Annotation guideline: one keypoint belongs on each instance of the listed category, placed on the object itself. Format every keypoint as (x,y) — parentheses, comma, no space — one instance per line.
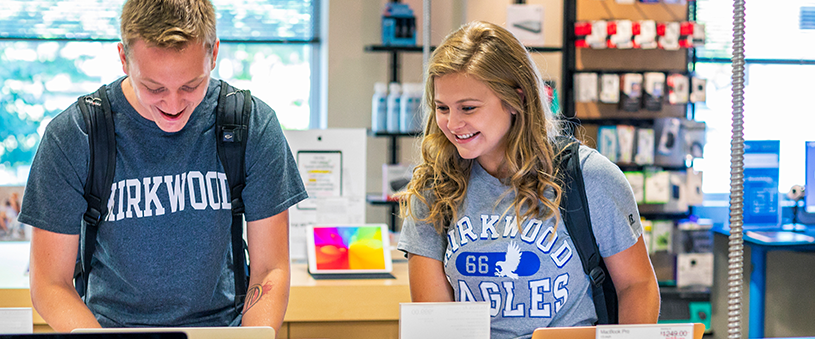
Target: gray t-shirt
(531,277)
(163,254)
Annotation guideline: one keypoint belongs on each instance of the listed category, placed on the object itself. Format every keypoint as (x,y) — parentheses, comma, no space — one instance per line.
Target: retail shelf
(418,48)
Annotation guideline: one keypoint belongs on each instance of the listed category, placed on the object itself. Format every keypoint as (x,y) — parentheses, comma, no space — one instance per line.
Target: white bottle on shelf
(394,105)
(379,108)
(410,114)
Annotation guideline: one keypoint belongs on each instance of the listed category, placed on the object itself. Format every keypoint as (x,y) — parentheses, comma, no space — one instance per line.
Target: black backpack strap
(231,131)
(575,213)
(98,117)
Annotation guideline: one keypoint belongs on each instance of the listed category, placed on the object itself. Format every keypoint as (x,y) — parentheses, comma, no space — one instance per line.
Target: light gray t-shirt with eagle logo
(531,275)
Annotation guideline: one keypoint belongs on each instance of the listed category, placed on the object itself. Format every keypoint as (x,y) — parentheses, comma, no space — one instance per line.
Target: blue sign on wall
(761,200)
(810,177)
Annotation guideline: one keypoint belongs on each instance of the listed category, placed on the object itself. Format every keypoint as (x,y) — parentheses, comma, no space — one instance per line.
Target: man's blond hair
(168,23)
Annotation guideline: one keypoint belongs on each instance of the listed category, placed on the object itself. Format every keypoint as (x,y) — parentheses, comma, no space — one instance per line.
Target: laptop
(349,251)
(249,332)
(129,335)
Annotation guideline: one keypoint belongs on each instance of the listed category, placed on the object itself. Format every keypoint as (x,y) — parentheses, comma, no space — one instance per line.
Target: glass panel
(39,79)
(776,107)
(278,74)
(99,19)
(774,29)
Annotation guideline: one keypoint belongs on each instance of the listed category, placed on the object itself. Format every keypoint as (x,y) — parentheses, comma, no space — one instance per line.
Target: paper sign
(655,331)
(444,320)
(16,320)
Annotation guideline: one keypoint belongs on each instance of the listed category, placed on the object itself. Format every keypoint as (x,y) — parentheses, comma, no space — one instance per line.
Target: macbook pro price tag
(655,331)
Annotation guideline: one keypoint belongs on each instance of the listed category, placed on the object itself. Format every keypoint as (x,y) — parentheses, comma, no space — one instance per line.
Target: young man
(163,255)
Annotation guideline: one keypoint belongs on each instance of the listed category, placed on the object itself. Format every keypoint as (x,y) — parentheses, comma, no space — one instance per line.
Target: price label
(654,331)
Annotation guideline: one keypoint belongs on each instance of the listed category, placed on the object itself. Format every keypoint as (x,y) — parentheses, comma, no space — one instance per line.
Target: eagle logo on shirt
(507,267)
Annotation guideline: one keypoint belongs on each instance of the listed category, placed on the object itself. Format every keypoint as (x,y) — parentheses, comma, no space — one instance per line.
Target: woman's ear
(521,93)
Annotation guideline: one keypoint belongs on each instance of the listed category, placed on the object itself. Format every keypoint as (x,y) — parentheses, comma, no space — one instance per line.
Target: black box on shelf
(654,84)
(630,92)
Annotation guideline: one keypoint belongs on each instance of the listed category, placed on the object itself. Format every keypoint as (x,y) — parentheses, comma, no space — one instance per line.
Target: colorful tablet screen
(349,248)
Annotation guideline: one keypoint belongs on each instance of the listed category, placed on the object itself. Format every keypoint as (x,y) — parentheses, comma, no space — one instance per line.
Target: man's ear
(215,52)
(123,57)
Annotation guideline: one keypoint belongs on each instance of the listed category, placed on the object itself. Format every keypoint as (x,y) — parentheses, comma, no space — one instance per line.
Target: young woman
(481,212)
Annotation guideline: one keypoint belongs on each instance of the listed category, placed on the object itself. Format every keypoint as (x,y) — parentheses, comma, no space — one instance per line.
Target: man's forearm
(62,308)
(267,299)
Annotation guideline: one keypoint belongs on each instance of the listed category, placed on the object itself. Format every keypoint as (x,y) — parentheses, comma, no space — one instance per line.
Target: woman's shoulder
(598,169)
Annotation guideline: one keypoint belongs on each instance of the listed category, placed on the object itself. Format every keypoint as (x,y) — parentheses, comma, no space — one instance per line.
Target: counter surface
(311,300)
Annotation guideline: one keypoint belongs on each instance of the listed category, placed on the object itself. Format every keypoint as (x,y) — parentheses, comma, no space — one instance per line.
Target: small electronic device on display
(349,251)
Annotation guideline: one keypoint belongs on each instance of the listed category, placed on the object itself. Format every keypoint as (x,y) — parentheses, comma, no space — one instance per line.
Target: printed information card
(444,320)
(655,331)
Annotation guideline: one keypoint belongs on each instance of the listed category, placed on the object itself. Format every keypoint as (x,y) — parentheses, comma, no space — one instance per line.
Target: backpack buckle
(597,276)
(231,133)
(92,216)
(237,206)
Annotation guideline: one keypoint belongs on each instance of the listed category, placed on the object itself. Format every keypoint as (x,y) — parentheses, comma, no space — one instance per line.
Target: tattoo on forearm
(253,295)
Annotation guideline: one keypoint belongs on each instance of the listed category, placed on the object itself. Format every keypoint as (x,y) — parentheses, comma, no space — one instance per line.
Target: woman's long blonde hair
(493,55)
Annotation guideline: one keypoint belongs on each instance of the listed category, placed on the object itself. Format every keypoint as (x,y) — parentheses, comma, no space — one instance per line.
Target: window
(53,51)
(780,66)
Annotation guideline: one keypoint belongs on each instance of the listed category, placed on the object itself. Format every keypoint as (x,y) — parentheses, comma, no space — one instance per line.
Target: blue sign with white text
(761,200)
(810,177)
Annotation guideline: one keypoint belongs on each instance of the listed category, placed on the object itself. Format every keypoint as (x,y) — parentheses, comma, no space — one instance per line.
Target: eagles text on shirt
(512,264)
(135,198)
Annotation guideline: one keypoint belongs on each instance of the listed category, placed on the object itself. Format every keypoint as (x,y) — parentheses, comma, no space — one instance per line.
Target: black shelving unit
(393,146)
(675,300)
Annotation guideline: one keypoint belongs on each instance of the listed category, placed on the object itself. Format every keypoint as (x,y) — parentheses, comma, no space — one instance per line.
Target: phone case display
(691,34)
(620,33)
(591,34)
(655,87)
(654,90)
(694,248)
(693,185)
(670,148)
(607,142)
(645,146)
(668,33)
(585,85)
(635,91)
(637,182)
(697,89)
(661,235)
(678,89)
(645,34)
(625,143)
(693,132)
(631,91)
(642,34)
(609,88)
